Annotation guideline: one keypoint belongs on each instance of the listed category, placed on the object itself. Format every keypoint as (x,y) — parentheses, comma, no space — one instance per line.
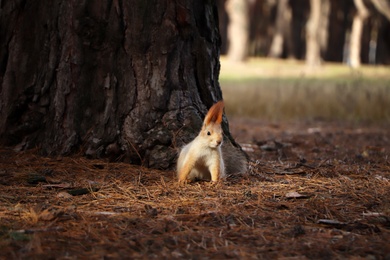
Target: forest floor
(314,190)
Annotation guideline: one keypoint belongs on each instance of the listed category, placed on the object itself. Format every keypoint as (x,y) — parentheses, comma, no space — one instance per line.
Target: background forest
(306,59)
(348,31)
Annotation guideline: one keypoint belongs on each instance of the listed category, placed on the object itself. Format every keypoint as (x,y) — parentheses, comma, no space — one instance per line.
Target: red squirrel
(205,157)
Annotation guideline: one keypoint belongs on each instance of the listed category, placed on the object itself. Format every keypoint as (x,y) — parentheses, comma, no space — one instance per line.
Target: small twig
(35,230)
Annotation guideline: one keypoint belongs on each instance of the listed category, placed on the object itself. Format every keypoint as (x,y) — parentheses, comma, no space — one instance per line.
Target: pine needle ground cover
(313,191)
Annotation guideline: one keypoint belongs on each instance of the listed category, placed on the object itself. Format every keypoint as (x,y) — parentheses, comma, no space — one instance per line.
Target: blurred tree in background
(238,30)
(316,31)
(356,33)
(349,31)
(282,35)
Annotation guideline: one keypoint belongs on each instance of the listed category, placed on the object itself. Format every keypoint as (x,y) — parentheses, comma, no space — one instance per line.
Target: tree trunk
(339,25)
(383,43)
(238,29)
(130,80)
(324,26)
(299,8)
(381,53)
(356,33)
(313,35)
(383,6)
(282,29)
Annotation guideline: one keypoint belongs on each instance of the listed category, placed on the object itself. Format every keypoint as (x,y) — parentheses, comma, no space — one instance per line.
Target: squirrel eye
(208,133)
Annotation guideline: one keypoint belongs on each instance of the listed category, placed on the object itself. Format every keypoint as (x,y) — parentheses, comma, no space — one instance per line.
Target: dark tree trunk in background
(261,16)
(223,25)
(127,79)
(299,10)
(383,42)
(365,41)
(339,24)
(382,37)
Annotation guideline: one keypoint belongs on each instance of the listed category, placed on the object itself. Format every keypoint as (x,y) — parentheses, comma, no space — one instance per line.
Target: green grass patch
(280,90)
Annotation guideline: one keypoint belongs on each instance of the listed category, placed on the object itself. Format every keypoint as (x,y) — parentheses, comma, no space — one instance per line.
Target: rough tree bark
(356,33)
(238,29)
(130,80)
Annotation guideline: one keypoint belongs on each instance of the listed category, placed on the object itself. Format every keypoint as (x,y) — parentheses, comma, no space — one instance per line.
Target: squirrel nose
(219,142)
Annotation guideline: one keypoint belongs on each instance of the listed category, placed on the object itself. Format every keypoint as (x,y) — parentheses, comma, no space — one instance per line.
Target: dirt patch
(313,191)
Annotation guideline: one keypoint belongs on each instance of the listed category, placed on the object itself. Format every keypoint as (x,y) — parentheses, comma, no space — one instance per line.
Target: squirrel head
(212,131)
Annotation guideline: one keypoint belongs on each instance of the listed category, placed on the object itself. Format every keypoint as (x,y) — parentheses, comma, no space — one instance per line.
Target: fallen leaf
(296,195)
(63,194)
(373,214)
(330,222)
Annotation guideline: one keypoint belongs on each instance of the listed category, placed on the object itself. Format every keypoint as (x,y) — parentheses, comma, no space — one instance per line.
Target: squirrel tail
(234,158)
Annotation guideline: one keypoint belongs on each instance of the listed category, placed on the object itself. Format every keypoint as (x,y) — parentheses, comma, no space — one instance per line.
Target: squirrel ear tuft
(215,113)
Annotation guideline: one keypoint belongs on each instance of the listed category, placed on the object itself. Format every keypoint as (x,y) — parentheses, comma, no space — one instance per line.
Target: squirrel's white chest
(205,159)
